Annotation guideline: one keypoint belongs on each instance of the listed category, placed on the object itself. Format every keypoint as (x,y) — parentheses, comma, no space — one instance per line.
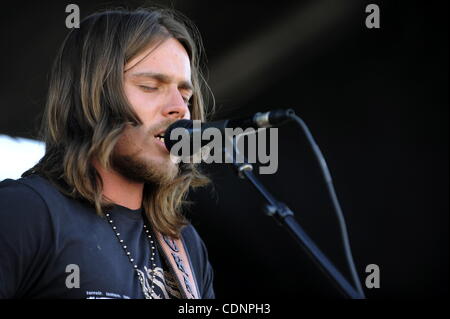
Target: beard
(129,164)
(144,171)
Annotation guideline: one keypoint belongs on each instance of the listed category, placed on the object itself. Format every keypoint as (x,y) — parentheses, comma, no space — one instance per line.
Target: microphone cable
(332,192)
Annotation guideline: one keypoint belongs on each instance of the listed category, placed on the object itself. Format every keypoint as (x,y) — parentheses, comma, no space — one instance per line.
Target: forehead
(168,57)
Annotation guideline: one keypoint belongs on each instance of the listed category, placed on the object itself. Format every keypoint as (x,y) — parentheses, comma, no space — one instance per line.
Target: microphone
(258,120)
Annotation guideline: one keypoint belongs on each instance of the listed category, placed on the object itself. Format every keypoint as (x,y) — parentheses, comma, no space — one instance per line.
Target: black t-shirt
(52,246)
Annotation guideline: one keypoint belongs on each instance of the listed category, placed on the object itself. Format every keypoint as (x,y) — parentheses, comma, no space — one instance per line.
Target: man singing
(100,215)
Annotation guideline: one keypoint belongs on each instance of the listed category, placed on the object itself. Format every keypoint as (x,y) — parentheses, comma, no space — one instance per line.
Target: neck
(119,189)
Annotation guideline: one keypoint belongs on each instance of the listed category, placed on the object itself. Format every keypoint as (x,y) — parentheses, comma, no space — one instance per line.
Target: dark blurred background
(376,101)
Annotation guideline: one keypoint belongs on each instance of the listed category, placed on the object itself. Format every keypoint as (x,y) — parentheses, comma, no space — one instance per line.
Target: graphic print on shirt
(165,286)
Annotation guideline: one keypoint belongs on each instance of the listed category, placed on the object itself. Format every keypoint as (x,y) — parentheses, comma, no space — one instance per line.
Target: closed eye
(148,88)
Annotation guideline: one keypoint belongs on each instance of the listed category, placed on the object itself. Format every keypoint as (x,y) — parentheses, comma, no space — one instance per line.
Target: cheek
(123,143)
(140,102)
(130,141)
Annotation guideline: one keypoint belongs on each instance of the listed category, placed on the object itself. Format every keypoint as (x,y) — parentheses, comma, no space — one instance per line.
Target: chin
(153,170)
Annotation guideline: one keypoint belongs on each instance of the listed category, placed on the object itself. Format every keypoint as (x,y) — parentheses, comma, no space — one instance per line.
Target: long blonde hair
(87,110)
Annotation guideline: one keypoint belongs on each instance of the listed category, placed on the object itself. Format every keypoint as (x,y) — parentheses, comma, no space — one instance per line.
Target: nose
(176,107)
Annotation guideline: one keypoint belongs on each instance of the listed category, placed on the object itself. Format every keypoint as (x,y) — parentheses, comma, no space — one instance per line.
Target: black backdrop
(375,99)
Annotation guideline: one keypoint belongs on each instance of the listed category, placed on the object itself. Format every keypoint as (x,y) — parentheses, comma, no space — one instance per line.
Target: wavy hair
(87,110)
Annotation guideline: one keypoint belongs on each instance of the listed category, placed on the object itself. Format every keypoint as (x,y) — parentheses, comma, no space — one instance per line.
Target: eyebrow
(186,85)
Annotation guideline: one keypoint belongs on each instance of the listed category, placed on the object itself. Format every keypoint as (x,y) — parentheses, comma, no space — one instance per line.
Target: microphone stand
(285,217)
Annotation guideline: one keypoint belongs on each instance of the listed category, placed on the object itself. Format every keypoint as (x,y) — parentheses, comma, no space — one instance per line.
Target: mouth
(160,136)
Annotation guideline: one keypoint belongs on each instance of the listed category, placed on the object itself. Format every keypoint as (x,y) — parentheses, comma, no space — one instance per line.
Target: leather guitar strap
(175,253)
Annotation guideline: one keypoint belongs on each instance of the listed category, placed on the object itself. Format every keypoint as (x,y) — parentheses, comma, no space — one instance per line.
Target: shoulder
(195,246)
(26,237)
(32,190)
(17,197)
(23,208)
(23,211)
(192,239)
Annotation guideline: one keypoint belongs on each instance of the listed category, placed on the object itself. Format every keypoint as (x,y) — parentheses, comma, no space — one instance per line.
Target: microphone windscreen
(186,124)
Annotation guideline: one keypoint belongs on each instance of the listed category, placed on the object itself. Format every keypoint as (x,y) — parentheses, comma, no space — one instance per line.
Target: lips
(159,132)
(160,136)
